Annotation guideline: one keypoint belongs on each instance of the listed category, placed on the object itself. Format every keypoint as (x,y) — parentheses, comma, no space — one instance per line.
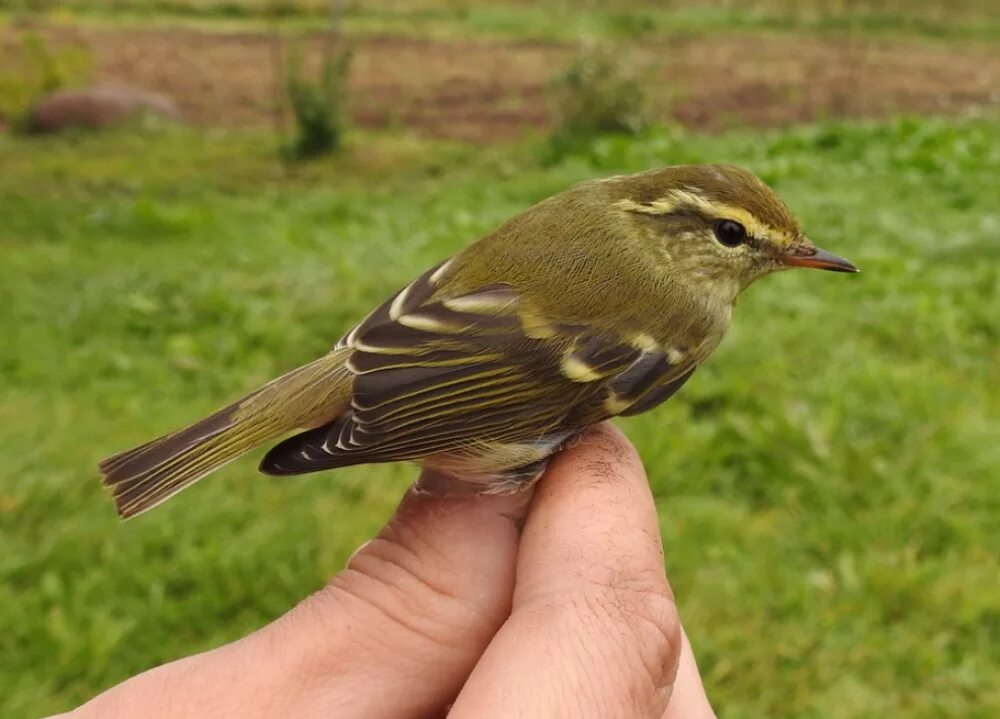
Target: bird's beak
(806,254)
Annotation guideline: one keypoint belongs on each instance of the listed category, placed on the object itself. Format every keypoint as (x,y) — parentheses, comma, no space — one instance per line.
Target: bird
(598,302)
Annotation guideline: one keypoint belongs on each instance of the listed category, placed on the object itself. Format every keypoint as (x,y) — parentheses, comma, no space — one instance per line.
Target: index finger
(593,629)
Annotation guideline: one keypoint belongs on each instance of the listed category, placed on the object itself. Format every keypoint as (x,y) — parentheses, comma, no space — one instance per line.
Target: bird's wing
(439,375)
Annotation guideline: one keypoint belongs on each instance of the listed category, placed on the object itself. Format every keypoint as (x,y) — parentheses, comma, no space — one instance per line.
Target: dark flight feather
(461,372)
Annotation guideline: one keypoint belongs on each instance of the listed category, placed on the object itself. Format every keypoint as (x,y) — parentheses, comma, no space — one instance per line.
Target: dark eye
(729,233)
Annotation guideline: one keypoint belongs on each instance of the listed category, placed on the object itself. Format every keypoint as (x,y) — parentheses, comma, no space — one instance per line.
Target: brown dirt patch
(492,89)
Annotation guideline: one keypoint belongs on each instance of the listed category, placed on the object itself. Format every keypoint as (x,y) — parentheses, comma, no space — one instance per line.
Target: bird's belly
(499,467)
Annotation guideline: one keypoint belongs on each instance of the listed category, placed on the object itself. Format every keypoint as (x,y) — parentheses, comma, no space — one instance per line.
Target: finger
(393,635)
(688,700)
(397,633)
(593,629)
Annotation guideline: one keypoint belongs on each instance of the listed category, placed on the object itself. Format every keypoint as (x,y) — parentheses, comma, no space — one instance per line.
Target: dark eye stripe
(698,219)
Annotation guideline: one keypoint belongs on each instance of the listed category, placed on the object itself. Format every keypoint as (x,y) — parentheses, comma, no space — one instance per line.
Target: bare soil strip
(486,90)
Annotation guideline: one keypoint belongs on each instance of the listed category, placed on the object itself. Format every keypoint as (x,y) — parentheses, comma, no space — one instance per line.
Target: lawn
(828,484)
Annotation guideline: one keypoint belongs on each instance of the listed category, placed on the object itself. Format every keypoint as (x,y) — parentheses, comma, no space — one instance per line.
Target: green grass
(828,484)
(562,19)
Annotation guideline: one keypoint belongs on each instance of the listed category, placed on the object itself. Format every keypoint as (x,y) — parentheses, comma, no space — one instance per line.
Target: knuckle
(657,631)
(642,613)
(389,583)
(617,636)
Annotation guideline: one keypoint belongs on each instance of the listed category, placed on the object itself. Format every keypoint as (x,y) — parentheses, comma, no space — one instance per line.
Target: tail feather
(147,475)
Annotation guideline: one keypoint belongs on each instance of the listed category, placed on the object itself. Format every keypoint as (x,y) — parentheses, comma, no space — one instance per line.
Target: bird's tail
(153,472)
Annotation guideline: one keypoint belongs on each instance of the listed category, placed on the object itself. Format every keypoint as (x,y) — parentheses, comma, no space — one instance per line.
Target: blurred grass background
(828,485)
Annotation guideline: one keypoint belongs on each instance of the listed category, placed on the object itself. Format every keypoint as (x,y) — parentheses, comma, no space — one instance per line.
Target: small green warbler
(598,302)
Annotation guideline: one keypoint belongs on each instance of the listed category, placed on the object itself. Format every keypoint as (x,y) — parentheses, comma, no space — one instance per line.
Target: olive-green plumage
(600,301)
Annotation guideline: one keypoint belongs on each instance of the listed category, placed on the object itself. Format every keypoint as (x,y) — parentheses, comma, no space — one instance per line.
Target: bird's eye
(729,233)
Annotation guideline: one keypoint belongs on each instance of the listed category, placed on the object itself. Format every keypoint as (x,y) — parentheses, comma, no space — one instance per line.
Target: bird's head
(717,227)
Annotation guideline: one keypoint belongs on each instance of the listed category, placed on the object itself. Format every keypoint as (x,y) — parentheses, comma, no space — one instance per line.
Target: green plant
(601,92)
(318,105)
(32,67)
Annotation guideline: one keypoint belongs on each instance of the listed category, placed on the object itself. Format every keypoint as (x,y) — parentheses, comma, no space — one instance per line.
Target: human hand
(454,604)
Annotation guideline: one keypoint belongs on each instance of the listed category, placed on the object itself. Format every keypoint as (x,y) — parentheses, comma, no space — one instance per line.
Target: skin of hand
(551,605)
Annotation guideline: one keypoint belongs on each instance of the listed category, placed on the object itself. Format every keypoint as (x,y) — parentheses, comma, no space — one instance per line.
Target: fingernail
(356,552)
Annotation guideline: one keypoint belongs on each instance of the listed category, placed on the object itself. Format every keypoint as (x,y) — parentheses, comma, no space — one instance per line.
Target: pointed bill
(815,258)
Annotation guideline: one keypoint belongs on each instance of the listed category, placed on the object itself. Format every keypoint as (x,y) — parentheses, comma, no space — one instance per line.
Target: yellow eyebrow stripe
(678,199)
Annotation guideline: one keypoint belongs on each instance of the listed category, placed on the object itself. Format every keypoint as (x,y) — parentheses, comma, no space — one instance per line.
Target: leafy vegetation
(319,106)
(827,484)
(601,92)
(31,68)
